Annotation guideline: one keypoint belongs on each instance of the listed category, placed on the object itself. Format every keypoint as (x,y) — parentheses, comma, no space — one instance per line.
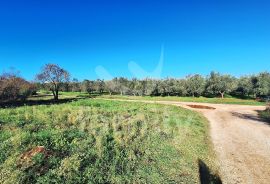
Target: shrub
(266,113)
(14,88)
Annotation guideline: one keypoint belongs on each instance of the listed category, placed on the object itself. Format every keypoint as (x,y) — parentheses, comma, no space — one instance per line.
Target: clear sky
(229,36)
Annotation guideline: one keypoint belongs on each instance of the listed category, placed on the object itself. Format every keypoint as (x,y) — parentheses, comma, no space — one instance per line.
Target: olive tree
(53,75)
(121,85)
(181,87)
(195,85)
(220,84)
(133,86)
(244,85)
(141,87)
(111,86)
(169,87)
(151,87)
(87,86)
(263,85)
(75,85)
(137,87)
(99,86)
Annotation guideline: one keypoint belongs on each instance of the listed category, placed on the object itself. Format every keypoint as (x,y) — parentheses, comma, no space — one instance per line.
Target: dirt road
(241,141)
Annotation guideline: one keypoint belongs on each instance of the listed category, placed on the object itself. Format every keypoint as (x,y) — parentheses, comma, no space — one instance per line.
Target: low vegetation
(225,100)
(13,87)
(266,114)
(98,141)
(228,100)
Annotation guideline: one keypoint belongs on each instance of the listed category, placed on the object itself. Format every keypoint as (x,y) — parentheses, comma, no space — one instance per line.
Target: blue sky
(229,36)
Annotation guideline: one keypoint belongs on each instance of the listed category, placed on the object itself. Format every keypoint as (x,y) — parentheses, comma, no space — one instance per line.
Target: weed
(100,141)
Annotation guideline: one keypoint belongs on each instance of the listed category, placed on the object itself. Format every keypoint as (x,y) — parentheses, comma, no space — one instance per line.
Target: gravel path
(241,141)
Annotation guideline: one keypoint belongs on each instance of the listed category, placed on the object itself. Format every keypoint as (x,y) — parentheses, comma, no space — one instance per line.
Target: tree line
(213,85)
(54,78)
(196,85)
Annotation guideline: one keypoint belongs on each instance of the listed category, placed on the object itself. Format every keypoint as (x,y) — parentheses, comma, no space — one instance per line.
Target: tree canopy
(53,75)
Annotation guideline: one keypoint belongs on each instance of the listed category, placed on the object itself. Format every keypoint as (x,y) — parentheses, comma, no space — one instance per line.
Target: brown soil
(33,152)
(201,107)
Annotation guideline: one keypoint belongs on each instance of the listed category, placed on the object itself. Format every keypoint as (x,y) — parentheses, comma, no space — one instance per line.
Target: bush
(266,114)
(267,110)
(14,88)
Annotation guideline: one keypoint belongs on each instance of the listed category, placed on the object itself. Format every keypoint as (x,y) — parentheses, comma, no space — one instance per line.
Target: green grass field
(99,141)
(230,100)
(227,100)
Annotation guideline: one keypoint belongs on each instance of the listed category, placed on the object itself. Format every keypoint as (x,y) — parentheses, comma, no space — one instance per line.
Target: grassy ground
(230,100)
(266,114)
(98,141)
(227,100)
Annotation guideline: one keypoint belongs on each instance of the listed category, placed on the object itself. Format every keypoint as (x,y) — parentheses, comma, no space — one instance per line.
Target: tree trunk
(222,94)
(56,95)
(55,91)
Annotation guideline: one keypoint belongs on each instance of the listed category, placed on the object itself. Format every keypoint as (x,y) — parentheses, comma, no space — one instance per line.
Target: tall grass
(98,141)
(266,114)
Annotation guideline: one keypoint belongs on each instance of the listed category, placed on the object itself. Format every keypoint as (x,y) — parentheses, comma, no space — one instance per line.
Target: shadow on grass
(265,116)
(36,102)
(206,177)
(42,95)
